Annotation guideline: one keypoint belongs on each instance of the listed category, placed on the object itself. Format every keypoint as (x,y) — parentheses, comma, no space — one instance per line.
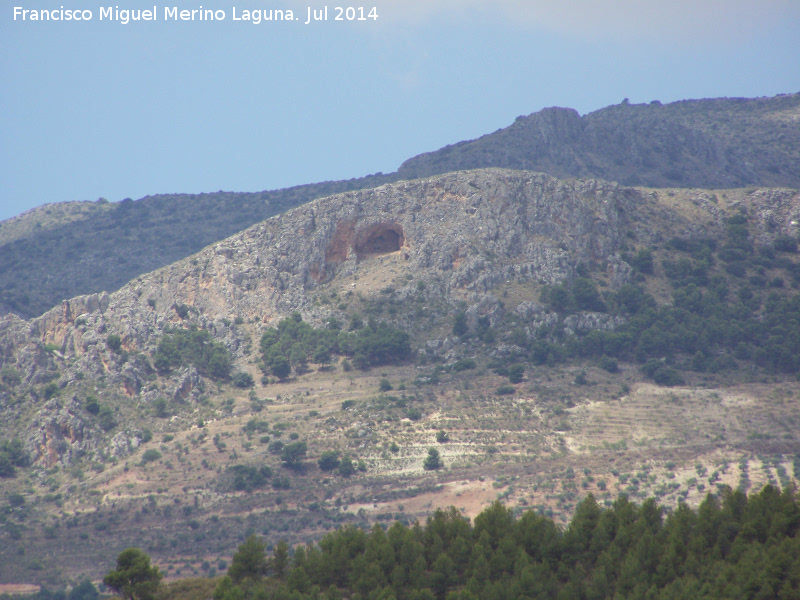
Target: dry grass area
(546,445)
(18,588)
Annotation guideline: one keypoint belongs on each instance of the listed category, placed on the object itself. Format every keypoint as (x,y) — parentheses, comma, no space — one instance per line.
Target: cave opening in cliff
(381,239)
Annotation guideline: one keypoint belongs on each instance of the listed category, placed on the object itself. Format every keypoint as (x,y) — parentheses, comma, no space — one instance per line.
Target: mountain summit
(717,143)
(56,252)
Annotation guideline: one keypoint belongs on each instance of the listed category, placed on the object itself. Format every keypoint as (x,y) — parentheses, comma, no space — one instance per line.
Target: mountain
(59,251)
(715,143)
(548,338)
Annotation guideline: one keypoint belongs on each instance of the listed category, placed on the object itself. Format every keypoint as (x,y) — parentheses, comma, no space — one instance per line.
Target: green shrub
(243,380)
(92,405)
(460,326)
(414,414)
(642,261)
(114,343)
(106,418)
(785,243)
(515,373)
(192,346)
(433,461)
(50,390)
(161,407)
(246,478)
(464,364)
(346,467)
(293,454)
(151,455)
(608,364)
(329,460)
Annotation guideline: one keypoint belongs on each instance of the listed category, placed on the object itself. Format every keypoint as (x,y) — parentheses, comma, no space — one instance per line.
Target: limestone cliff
(459,235)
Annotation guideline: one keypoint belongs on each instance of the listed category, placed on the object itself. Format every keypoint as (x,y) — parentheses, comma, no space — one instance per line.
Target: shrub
(12,454)
(151,455)
(106,418)
(414,414)
(515,373)
(464,364)
(246,478)
(50,390)
(460,323)
(243,380)
(346,467)
(254,425)
(608,364)
(279,366)
(642,261)
(586,296)
(114,343)
(504,390)
(293,454)
(433,461)
(329,460)
(161,408)
(192,346)
(6,466)
(10,376)
(667,376)
(92,405)
(785,243)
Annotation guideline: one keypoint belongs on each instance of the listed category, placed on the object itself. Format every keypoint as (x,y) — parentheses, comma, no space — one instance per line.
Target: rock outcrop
(459,236)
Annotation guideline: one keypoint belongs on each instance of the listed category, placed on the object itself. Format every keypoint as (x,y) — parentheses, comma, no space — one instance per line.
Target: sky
(98,108)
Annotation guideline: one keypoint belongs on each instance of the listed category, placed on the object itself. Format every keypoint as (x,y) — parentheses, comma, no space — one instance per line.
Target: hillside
(547,338)
(60,251)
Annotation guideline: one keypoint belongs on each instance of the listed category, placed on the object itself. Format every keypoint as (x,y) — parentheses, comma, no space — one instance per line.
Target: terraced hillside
(545,338)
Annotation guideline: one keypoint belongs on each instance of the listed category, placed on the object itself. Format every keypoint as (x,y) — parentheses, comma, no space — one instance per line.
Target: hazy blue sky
(98,108)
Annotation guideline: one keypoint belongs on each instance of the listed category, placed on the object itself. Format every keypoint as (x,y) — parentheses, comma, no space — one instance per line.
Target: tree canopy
(732,546)
(250,560)
(134,578)
(192,346)
(294,342)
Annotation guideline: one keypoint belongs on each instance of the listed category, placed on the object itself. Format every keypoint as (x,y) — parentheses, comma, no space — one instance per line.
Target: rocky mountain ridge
(713,143)
(61,251)
(459,236)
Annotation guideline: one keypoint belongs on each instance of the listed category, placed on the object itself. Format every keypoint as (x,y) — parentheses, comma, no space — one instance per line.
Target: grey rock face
(58,434)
